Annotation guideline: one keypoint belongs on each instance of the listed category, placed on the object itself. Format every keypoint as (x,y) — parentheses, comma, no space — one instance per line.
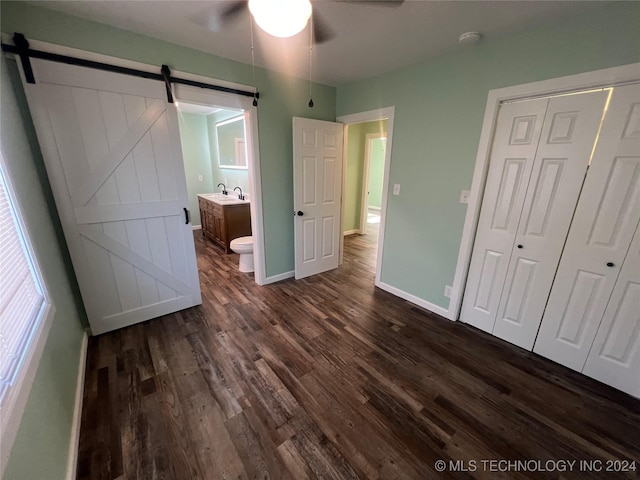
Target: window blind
(21,295)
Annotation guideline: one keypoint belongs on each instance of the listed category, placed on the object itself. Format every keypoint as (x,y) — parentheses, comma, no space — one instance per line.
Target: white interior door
(317,189)
(112,150)
(568,136)
(614,357)
(604,223)
(512,157)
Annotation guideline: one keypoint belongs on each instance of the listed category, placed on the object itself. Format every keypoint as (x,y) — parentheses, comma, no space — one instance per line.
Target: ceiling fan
(285,18)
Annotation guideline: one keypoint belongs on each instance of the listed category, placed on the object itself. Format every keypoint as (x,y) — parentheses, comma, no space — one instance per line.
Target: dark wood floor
(330,377)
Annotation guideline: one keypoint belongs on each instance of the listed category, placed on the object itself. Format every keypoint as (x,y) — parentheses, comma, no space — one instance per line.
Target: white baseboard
(443,312)
(351,232)
(72,460)
(196,227)
(277,278)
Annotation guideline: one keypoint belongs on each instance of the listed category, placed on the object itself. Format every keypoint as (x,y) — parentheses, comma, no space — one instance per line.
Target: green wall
(42,444)
(356,139)
(194,137)
(281,98)
(376,171)
(439,108)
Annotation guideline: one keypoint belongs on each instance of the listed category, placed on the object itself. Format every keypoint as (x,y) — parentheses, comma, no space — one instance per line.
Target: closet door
(615,355)
(512,154)
(568,135)
(604,223)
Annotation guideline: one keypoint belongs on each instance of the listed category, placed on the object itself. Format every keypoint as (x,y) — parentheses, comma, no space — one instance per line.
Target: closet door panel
(615,355)
(604,223)
(512,155)
(568,135)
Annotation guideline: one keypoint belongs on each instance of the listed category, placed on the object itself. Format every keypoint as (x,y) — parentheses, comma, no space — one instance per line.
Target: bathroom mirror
(232,151)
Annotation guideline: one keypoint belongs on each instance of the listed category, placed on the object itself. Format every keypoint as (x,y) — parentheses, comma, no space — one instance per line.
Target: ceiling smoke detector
(469,37)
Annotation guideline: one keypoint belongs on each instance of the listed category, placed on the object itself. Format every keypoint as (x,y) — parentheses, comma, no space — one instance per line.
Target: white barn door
(317,191)
(111,147)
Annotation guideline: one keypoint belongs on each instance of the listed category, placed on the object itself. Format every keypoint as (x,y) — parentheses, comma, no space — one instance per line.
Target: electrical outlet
(200,178)
(464,196)
(396,189)
(447,291)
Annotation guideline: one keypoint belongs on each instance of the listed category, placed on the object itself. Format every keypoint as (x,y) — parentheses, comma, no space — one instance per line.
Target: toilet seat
(242,245)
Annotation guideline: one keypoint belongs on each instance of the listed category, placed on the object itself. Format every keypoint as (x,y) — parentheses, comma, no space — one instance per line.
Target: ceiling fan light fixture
(469,37)
(281,18)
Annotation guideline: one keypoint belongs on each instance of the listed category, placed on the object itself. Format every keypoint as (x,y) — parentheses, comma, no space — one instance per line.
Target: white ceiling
(370,39)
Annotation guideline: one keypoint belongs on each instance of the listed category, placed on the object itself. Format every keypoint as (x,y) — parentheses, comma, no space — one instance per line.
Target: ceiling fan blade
(236,8)
(322,32)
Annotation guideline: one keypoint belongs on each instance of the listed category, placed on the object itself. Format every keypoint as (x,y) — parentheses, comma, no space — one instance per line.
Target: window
(25,314)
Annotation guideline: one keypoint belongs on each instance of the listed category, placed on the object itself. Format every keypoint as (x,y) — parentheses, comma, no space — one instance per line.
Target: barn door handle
(187,216)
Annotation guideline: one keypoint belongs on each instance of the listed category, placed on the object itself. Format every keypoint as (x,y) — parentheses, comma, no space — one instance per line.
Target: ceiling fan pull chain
(253,63)
(310,61)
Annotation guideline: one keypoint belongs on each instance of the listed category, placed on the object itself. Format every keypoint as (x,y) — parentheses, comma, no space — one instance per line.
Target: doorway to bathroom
(367,154)
(220,150)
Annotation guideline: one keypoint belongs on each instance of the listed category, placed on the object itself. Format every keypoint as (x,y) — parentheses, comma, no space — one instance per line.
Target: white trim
(74,443)
(413,299)
(200,96)
(343,188)
(18,394)
(23,388)
(364,208)
(388,114)
(279,277)
(582,81)
(196,227)
(351,232)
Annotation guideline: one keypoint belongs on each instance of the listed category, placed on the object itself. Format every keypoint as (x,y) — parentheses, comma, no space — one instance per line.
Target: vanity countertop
(220,199)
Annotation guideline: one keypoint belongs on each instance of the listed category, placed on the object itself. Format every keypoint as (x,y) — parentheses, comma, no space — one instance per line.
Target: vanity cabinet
(221,223)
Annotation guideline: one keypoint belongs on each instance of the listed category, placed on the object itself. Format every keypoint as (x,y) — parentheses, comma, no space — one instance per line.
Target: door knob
(519,246)
(611,264)
(300,213)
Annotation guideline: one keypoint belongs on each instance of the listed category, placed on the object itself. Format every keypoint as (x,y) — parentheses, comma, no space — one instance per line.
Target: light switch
(396,189)
(464,196)
(200,178)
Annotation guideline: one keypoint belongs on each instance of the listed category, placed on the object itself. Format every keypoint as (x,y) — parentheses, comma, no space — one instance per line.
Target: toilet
(244,247)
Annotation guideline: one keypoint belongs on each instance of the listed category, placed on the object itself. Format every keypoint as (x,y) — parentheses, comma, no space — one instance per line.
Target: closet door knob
(519,246)
(610,264)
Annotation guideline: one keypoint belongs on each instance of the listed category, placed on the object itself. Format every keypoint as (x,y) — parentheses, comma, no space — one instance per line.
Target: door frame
(388,114)
(364,210)
(201,96)
(233,101)
(597,79)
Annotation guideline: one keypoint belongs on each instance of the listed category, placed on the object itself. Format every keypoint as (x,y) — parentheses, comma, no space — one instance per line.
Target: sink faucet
(240,195)
(224,188)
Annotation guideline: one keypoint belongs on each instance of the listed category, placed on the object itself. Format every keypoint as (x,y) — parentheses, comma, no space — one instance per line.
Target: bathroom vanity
(223,218)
